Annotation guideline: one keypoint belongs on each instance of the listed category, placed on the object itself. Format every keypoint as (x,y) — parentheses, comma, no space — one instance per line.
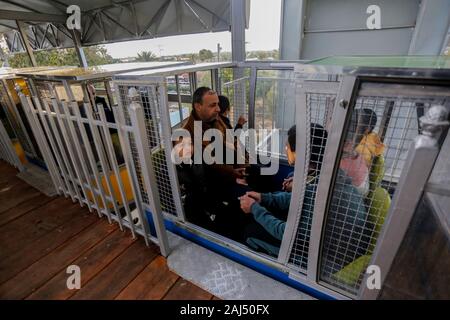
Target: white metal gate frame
(15,120)
(62,133)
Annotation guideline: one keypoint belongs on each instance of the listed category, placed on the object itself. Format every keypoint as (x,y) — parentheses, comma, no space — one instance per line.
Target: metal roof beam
(26,43)
(209,11)
(161,11)
(62,4)
(22,6)
(196,15)
(31,16)
(116,23)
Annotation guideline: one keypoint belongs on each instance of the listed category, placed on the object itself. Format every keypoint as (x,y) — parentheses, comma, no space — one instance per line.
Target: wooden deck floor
(41,236)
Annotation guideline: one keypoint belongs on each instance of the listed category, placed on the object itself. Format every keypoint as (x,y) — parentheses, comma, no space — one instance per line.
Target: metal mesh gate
(150,96)
(319,107)
(82,150)
(237,91)
(380,131)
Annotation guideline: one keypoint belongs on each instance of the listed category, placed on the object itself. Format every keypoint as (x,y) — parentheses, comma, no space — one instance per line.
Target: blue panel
(37,162)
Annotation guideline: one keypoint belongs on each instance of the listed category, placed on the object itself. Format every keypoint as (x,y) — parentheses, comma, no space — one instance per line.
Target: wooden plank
(36,275)
(215,298)
(35,224)
(9,181)
(90,263)
(23,208)
(32,252)
(184,290)
(7,171)
(14,194)
(111,280)
(151,284)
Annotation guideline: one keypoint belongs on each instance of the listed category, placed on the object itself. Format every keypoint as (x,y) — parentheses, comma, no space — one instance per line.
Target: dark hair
(367,118)
(318,140)
(197,97)
(224,104)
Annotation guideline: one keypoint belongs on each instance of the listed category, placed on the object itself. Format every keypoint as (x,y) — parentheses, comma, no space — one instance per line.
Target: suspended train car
(385,121)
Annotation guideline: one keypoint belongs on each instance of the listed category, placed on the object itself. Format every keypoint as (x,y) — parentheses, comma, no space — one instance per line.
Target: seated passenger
(224,105)
(211,186)
(270,210)
(352,162)
(370,145)
(355,167)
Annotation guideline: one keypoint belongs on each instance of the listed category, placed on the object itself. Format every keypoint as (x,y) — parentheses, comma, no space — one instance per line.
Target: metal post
(138,122)
(252,98)
(238,13)
(79,48)
(328,172)
(180,105)
(26,43)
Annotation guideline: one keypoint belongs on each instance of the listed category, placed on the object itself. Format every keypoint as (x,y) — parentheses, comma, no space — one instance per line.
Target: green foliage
(95,55)
(263,55)
(205,55)
(146,56)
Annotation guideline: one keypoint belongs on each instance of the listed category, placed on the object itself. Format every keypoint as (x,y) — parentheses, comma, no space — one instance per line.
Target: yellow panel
(19,152)
(126,185)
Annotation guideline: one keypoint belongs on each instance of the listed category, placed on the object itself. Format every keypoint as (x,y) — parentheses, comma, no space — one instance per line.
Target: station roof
(107,21)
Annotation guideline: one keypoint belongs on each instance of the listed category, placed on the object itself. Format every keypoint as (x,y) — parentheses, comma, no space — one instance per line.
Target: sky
(263,34)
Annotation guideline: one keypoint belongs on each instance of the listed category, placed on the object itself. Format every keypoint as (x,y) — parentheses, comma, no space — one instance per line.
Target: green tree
(95,55)
(205,55)
(146,56)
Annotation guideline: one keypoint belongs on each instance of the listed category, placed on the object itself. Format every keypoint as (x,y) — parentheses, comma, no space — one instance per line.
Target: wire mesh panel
(237,91)
(275,105)
(381,128)
(83,145)
(150,99)
(319,107)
